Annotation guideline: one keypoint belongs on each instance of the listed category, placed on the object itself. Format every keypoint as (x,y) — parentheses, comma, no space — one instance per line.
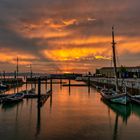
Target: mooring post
(39,90)
(35,84)
(69,85)
(60,82)
(26,82)
(15,75)
(51,84)
(4,75)
(69,82)
(31,85)
(89,83)
(38,120)
(26,85)
(46,85)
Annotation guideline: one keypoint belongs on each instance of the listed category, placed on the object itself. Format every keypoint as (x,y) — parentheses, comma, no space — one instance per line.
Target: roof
(109,68)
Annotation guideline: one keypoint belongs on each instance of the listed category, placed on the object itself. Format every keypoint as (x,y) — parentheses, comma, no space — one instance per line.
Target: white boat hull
(121,100)
(116,98)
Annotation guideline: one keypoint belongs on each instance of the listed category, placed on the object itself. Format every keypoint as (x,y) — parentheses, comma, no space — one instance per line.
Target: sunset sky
(68,35)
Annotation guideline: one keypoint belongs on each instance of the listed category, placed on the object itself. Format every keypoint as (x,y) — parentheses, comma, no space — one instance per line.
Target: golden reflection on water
(77,114)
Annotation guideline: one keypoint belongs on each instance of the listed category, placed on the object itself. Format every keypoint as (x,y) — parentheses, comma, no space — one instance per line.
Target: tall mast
(17,67)
(114,58)
(31,72)
(17,71)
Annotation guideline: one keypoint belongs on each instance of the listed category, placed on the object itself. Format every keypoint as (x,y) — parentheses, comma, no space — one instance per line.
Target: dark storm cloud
(15,14)
(124,14)
(12,40)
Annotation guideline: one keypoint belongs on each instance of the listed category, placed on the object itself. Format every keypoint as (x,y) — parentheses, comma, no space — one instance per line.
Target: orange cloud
(11,58)
(132,46)
(65,44)
(50,23)
(102,57)
(61,23)
(84,40)
(70,22)
(74,54)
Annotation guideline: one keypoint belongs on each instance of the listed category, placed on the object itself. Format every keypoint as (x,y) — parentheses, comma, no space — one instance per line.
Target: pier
(74,85)
(37,82)
(42,98)
(133,85)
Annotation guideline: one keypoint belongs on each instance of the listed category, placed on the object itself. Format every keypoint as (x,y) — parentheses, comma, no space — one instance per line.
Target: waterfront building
(125,72)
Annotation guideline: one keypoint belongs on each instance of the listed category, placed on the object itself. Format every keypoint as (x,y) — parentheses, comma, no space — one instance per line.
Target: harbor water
(69,114)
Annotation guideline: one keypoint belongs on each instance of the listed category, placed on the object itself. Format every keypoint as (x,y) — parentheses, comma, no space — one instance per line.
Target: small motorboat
(14,98)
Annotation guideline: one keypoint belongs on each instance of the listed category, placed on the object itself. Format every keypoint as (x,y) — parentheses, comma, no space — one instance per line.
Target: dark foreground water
(69,115)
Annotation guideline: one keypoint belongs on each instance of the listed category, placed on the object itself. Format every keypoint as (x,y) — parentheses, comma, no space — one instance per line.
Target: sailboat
(115,96)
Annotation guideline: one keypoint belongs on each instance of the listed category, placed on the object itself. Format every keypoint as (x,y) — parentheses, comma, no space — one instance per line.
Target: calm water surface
(73,114)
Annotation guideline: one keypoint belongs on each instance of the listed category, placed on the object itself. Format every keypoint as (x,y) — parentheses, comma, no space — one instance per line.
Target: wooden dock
(75,85)
(36,82)
(43,98)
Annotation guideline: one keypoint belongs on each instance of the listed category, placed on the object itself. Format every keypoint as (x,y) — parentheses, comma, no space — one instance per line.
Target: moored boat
(134,98)
(3,87)
(111,95)
(14,98)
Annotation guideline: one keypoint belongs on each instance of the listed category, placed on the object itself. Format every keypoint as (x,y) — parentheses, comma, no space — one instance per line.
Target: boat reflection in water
(76,117)
(121,111)
(7,107)
(38,124)
(39,112)
(136,110)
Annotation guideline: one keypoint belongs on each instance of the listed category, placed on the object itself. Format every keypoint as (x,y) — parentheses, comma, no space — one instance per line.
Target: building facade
(123,72)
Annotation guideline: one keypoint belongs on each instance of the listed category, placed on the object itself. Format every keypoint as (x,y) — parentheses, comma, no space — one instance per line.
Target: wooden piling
(26,85)
(39,90)
(38,120)
(46,85)
(60,82)
(89,84)
(4,75)
(69,82)
(69,85)
(35,85)
(51,84)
